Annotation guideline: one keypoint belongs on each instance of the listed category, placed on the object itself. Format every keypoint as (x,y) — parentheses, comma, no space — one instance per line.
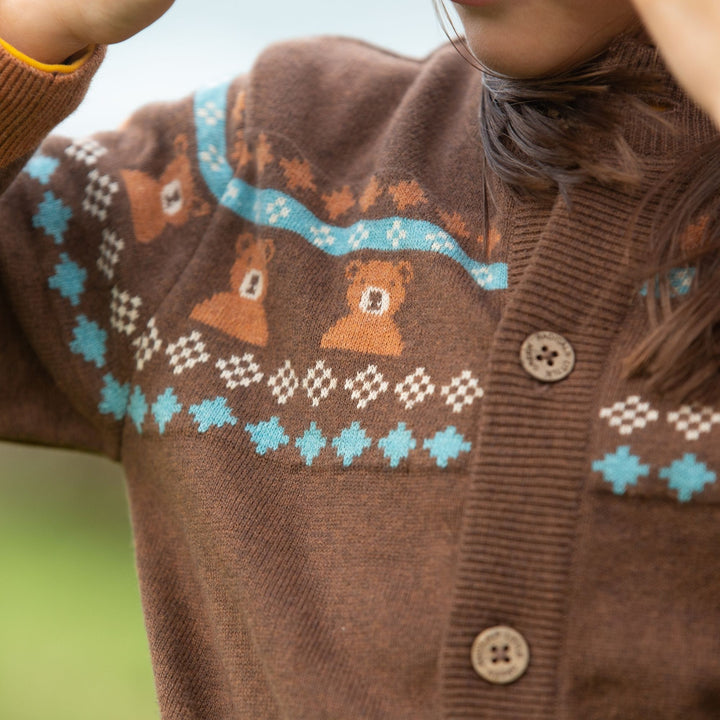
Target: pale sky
(200,42)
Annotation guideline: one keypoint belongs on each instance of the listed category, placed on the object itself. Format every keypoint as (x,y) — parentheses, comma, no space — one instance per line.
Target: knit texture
(275,304)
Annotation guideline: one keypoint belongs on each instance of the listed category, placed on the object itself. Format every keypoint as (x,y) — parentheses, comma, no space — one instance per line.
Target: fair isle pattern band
(271,208)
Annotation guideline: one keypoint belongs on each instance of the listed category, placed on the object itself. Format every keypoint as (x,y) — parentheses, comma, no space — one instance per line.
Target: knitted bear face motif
(376,292)
(170,199)
(240,312)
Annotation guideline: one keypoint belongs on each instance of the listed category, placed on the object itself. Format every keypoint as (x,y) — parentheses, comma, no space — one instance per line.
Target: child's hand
(688,35)
(50,31)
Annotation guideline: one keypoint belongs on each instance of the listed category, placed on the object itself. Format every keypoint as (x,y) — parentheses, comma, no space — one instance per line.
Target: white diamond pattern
(147,345)
(629,415)
(86,151)
(415,388)
(694,421)
(319,382)
(462,391)
(124,311)
(239,371)
(187,352)
(284,383)
(99,194)
(110,250)
(366,386)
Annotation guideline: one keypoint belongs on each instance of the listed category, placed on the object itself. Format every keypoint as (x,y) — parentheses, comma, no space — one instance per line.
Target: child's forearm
(47,34)
(51,31)
(688,35)
(35,28)
(33,101)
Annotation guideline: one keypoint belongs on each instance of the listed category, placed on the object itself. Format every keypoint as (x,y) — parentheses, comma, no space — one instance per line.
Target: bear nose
(171,198)
(252,285)
(375,301)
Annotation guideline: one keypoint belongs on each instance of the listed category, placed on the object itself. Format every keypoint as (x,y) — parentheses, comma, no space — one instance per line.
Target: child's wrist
(42,39)
(58,53)
(68,65)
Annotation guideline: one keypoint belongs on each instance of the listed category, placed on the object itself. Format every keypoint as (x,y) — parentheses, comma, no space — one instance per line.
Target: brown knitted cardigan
(274,304)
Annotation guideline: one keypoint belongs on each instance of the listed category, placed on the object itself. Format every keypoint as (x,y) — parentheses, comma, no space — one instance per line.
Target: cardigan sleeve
(94,233)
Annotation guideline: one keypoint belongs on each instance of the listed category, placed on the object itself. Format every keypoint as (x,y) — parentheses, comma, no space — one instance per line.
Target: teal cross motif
(165,408)
(212,413)
(69,279)
(351,443)
(621,469)
(41,168)
(137,408)
(311,443)
(114,397)
(446,445)
(397,444)
(268,435)
(89,341)
(688,476)
(53,217)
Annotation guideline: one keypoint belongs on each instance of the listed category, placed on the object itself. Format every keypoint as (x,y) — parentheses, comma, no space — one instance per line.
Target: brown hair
(546,135)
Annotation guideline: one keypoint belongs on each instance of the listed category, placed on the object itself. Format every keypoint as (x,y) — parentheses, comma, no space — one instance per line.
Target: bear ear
(181,144)
(244,242)
(269,248)
(353,269)
(406,271)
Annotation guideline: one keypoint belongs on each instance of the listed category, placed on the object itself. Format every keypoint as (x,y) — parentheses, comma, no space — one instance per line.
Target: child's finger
(688,35)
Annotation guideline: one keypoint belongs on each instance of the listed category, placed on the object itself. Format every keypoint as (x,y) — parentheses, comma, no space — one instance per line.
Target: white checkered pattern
(187,352)
(694,421)
(319,382)
(277,210)
(322,237)
(147,345)
(210,114)
(124,311)
(213,158)
(110,250)
(462,391)
(415,388)
(239,371)
(99,194)
(284,383)
(629,415)
(86,151)
(366,386)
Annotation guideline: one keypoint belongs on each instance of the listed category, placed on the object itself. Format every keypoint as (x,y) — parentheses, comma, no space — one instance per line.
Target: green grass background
(72,641)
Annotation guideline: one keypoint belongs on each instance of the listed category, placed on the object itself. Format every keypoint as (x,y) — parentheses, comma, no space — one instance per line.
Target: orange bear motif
(240,312)
(170,200)
(376,292)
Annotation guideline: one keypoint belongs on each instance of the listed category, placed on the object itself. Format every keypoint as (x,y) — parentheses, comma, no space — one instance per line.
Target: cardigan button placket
(500,655)
(547,357)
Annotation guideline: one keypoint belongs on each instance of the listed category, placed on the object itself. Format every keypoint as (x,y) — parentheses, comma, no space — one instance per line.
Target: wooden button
(500,655)
(547,356)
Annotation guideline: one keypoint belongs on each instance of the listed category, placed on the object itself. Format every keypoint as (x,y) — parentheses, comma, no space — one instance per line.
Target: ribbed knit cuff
(33,101)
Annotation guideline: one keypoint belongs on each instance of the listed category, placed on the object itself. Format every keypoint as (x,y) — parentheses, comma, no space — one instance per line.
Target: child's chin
(528,62)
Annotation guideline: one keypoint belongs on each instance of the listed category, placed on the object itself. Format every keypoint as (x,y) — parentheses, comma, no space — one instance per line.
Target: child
(368,338)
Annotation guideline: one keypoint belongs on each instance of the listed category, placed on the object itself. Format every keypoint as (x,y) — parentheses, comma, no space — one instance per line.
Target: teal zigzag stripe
(271,208)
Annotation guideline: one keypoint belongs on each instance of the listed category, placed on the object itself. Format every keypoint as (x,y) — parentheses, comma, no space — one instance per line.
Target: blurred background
(72,643)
